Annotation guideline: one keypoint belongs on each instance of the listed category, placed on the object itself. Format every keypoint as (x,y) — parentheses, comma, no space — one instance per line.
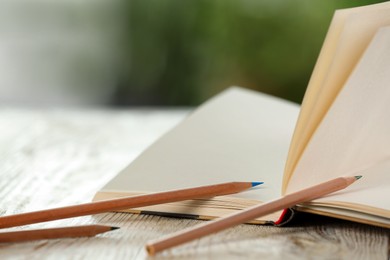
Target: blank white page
(349,35)
(240,135)
(354,136)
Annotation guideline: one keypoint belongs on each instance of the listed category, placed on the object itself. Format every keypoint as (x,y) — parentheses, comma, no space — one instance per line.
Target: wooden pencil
(124,203)
(250,213)
(53,233)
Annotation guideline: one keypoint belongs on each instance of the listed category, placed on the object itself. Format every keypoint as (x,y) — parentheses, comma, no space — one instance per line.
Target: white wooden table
(51,158)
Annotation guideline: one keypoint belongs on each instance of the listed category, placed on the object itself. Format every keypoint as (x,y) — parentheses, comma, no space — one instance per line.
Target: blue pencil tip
(256,183)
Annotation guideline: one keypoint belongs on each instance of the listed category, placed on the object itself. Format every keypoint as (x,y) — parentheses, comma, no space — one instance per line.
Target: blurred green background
(166,52)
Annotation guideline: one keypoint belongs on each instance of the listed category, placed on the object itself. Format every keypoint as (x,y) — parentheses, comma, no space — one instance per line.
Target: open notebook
(343,128)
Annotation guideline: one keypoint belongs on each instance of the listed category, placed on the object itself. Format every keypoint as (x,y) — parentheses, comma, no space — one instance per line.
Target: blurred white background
(60,52)
(157,52)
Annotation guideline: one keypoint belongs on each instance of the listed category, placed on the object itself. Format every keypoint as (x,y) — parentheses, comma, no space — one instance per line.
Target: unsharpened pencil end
(114,228)
(256,183)
(358,177)
(150,250)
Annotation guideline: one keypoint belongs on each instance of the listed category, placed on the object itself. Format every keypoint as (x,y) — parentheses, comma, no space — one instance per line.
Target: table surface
(52,158)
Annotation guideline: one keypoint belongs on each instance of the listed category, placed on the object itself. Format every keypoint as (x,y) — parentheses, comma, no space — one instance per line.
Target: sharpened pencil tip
(358,177)
(113,228)
(256,183)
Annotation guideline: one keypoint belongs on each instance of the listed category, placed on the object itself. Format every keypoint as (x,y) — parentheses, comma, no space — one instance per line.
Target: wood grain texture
(52,158)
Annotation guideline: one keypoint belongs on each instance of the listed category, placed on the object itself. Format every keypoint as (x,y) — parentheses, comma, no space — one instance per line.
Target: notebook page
(240,135)
(354,135)
(350,33)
